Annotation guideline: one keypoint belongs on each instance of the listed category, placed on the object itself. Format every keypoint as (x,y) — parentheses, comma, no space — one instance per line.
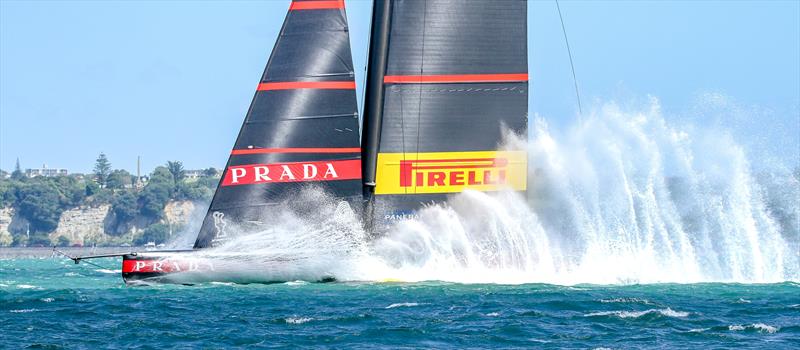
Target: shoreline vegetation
(132,207)
(48,252)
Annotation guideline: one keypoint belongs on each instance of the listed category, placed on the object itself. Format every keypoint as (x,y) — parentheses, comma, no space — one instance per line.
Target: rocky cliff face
(83,225)
(6,215)
(87,225)
(177,213)
(10,222)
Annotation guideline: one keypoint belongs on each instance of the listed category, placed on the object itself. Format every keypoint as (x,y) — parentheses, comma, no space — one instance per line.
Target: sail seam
(414,90)
(249,205)
(295,150)
(315,32)
(304,117)
(290,85)
(321,75)
(455,78)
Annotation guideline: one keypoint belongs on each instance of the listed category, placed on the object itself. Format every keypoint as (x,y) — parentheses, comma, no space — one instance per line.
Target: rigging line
(403,128)
(571,64)
(78,259)
(360,109)
(421,73)
(95,265)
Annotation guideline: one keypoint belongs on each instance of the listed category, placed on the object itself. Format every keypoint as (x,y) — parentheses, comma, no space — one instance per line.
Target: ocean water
(53,304)
(636,233)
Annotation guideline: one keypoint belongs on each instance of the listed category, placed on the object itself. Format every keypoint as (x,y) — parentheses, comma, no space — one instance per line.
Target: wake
(624,197)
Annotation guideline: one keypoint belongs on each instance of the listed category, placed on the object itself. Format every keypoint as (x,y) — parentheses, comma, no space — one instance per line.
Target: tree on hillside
(210,172)
(39,239)
(161,175)
(156,233)
(8,193)
(158,191)
(62,241)
(17,173)
(72,191)
(193,191)
(102,168)
(20,240)
(153,199)
(118,179)
(39,203)
(91,188)
(176,169)
(124,206)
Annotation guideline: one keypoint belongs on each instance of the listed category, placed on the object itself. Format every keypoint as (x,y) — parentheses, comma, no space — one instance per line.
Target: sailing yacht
(446,80)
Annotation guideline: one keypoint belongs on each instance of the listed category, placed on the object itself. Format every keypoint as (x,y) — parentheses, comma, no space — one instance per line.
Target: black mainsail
(446,79)
(302,126)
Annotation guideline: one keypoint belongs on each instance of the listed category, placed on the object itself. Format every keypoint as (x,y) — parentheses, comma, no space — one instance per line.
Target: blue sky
(172,80)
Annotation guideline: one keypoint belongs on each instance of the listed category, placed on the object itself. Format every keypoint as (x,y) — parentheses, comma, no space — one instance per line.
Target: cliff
(177,213)
(6,215)
(82,225)
(86,225)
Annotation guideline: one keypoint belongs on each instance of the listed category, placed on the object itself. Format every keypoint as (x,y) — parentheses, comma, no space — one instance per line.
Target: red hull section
(161,266)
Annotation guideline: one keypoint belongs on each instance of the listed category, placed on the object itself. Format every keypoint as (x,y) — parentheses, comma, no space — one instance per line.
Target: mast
(373,101)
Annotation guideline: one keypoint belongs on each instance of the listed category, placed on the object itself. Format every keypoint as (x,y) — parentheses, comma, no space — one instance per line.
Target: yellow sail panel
(450,172)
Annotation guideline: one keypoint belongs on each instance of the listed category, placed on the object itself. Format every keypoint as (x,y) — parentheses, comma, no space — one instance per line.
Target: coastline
(47,252)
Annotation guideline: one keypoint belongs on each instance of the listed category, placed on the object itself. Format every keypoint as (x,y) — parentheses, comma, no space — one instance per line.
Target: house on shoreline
(46,172)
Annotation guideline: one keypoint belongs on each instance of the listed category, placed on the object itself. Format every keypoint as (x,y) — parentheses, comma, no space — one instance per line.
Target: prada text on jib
(293,172)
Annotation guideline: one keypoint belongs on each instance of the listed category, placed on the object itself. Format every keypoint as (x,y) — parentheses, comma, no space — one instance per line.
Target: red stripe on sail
(294,150)
(316,5)
(455,78)
(288,85)
(331,170)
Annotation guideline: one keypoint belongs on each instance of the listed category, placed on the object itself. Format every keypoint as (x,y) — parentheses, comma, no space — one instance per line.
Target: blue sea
(629,228)
(51,303)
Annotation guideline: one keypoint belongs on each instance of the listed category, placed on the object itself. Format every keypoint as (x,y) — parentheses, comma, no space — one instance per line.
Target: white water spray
(621,198)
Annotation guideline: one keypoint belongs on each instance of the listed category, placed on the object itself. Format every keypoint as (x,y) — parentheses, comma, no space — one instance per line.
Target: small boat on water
(446,81)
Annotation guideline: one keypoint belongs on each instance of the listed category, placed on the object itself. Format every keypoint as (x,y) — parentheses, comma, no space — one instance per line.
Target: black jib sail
(446,79)
(301,128)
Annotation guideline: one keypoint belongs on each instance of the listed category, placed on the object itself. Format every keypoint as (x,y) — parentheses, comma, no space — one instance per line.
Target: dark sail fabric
(301,129)
(456,79)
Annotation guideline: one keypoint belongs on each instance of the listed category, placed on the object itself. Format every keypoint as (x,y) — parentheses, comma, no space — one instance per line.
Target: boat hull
(194,266)
(163,267)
